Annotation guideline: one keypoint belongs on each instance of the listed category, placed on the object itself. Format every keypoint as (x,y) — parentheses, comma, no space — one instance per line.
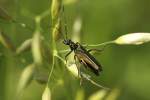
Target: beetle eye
(66,42)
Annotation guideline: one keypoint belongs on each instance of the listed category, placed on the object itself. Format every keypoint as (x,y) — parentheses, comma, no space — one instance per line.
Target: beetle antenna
(65,22)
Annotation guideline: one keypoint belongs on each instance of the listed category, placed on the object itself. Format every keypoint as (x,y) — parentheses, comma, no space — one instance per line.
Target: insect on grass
(82,55)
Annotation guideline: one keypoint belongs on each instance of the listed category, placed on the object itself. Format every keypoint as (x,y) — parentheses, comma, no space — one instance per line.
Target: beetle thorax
(73,46)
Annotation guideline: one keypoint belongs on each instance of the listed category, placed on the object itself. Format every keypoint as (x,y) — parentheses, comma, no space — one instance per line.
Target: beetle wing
(88,65)
(88,60)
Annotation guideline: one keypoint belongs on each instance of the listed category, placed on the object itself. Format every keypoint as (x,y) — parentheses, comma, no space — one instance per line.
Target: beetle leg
(67,55)
(84,63)
(79,73)
(81,80)
(97,50)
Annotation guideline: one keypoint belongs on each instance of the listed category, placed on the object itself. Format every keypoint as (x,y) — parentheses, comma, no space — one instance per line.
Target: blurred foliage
(126,68)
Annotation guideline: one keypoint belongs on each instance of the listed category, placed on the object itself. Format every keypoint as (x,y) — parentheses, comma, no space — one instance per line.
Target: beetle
(83,56)
(81,53)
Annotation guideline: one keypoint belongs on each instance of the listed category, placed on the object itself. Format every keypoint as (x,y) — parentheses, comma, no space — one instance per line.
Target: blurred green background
(126,68)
